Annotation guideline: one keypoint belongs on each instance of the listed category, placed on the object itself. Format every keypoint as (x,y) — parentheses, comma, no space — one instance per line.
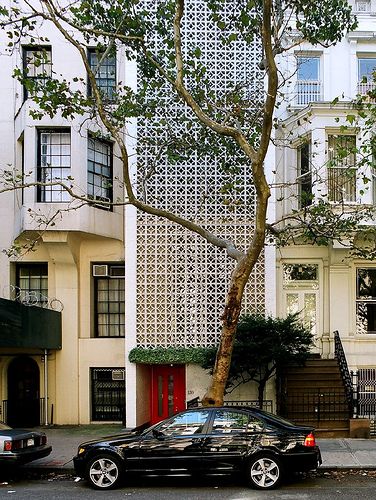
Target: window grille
(54,164)
(107,394)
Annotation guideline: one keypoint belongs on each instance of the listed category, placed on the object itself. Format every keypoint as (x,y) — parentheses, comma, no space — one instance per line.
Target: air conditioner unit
(100,270)
(117,271)
(118,375)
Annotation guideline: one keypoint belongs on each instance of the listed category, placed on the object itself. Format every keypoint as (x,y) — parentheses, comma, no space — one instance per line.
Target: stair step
(311,369)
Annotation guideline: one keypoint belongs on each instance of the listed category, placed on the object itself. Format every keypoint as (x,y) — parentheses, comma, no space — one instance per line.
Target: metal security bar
(316,406)
(107,394)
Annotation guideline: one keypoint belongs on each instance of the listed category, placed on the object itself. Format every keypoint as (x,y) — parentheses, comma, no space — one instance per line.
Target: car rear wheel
(104,471)
(264,472)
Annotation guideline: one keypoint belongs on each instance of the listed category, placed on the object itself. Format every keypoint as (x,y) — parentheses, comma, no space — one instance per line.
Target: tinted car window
(234,421)
(186,424)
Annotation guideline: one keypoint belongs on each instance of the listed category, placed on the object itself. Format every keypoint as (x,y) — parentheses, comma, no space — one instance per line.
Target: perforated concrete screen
(181,279)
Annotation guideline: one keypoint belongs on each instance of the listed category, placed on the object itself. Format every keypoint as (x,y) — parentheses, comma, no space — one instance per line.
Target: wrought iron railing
(345,373)
(315,406)
(267,404)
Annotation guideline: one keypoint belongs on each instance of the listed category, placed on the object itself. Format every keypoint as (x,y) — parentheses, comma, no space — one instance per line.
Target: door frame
(158,381)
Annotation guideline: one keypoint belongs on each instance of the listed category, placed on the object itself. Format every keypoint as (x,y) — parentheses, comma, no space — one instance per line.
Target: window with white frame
(366,69)
(104,68)
(362,5)
(308,79)
(99,166)
(342,168)
(304,174)
(301,293)
(366,300)
(37,65)
(53,164)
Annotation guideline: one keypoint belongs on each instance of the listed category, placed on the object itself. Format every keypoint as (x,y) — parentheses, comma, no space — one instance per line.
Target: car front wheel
(264,472)
(104,472)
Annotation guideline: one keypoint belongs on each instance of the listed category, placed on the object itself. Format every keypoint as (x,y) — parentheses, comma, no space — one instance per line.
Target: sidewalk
(336,453)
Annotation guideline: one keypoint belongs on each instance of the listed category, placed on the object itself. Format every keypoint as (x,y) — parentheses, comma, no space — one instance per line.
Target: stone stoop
(314,395)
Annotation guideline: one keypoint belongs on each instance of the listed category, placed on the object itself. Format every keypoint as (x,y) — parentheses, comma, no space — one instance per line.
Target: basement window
(366,300)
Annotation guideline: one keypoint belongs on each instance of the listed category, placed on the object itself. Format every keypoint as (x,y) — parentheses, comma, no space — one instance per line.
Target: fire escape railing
(345,373)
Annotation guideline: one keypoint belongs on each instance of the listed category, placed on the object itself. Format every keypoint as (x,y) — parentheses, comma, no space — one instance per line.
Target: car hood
(124,437)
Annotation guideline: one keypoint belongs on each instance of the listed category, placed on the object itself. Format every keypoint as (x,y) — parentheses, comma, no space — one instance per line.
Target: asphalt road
(346,486)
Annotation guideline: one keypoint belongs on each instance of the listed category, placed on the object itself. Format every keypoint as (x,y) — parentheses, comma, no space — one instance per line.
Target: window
(107,394)
(186,424)
(301,289)
(37,65)
(99,181)
(308,80)
(304,177)
(363,5)
(366,68)
(109,301)
(54,161)
(32,284)
(342,168)
(230,422)
(366,300)
(104,69)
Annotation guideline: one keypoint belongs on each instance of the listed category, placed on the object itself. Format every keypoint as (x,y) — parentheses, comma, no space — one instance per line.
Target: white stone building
(334,291)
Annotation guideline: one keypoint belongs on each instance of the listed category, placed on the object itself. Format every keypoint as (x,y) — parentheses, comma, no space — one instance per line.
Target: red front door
(167,391)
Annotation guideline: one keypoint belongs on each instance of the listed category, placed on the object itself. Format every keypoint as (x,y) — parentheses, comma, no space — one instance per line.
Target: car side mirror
(158,434)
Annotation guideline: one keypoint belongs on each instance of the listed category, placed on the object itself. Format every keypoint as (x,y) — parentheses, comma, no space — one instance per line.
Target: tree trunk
(230,317)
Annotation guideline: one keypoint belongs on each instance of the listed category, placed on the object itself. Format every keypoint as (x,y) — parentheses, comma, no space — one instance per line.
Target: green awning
(29,326)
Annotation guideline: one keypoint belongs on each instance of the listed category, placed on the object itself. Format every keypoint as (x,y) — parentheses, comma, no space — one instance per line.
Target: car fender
(260,450)
(110,450)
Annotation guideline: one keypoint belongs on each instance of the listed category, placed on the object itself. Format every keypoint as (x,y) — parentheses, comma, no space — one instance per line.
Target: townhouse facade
(103,280)
(317,160)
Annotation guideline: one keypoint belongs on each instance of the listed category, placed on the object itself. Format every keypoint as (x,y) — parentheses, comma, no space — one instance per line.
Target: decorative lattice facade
(181,279)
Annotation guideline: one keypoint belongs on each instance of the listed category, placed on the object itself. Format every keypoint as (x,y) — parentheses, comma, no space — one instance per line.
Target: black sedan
(20,446)
(213,441)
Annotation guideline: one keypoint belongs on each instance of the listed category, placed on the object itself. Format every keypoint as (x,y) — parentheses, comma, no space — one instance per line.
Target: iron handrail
(339,354)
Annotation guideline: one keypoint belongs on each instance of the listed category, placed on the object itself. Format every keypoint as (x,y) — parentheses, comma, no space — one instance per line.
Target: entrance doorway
(167,391)
(23,393)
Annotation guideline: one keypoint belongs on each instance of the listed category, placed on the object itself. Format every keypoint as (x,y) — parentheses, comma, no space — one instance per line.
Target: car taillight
(7,445)
(310,440)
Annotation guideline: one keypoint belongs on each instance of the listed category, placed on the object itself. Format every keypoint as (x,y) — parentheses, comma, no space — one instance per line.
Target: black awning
(29,326)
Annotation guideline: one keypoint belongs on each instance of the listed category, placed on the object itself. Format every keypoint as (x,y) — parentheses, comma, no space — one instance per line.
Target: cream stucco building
(103,280)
